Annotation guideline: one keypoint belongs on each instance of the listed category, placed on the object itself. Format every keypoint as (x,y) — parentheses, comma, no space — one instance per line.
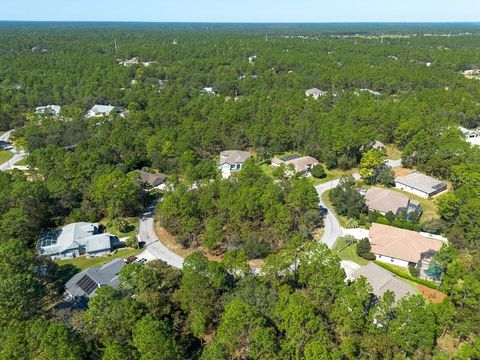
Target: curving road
(154,249)
(18,155)
(332,229)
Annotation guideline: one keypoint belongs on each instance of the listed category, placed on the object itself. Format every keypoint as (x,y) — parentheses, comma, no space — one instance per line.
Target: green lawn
(133,222)
(392,152)
(345,252)
(22,162)
(5,155)
(83,263)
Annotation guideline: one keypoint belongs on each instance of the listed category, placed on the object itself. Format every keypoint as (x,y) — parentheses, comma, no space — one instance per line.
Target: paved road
(153,247)
(18,155)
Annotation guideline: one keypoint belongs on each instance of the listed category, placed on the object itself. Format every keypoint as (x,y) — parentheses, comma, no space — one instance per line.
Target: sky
(243,10)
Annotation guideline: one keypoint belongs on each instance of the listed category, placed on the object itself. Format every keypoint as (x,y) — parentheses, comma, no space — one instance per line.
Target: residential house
(301,164)
(404,248)
(315,93)
(86,283)
(371,92)
(232,160)
(420,185)
(76,239)
(252,59)
(382,281)
(48,110)
(103,110)
(384,201)
(468,133)
(208,91)
(149,180)
(378,145)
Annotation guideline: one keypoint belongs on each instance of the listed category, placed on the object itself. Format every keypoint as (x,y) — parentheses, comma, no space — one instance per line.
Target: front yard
(83,262)
(113,229)
(5,155)
(348,252)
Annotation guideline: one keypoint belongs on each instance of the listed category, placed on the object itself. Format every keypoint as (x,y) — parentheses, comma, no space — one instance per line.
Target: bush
(363,248)
(369,256)
(318,172)
(132,242)
(122,225)
(434,226)
(413,270)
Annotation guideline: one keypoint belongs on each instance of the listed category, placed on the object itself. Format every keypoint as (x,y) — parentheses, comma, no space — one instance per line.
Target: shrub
(122,225)
(364,247)
(318,172)
(369,256)
(413,270)
(132,242)
(255,249)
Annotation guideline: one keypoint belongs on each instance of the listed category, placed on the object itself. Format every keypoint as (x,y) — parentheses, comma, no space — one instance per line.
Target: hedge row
(402,274)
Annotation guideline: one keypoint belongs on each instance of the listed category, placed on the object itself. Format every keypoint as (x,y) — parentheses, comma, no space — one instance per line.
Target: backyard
(83,262)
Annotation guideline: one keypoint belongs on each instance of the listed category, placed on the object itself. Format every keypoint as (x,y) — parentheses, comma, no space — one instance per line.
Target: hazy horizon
(247,11)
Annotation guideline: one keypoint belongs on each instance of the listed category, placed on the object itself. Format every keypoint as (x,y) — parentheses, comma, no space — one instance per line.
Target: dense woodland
(83,170)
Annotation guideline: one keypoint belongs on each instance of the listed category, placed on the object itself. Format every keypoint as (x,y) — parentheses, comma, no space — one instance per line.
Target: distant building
(371,92)
(384,201)
(208,91)
(382,281)
(315,93)
(48,110)
(148,180)
(378,145)
(301,164)
(86,283)
(76,239)
(402,247)
(252,59)
(468,133)
(420,185)
(232,160)
(103,110)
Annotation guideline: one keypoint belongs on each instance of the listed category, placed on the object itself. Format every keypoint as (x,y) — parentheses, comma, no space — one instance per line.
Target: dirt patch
(434,296)
(401,171)
(169,241)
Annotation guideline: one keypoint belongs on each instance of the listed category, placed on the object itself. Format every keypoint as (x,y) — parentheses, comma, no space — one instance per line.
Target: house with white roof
(208,91)
(300,164)
(75,240)
(315,93)
(420,184)
(53,110)
(103,110)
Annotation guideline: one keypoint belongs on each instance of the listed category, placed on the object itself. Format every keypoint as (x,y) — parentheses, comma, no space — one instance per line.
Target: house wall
(392,261)
(411,190)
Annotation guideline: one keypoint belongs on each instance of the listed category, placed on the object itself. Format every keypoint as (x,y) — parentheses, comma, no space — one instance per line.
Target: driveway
(154,249)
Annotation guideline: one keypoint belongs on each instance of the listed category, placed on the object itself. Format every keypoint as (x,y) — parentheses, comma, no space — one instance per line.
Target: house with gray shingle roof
(86,283)
(382,281)
(232,160)
(76,239)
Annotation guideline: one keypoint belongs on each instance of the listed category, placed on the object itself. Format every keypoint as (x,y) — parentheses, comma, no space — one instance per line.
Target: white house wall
(411,190)
(392,261)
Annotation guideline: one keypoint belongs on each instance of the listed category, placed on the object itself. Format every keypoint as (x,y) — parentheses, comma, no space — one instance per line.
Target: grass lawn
(22,162)
(268,169)
(133,222)
(392,152)
(345,252)
(5,155)
(83,262)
